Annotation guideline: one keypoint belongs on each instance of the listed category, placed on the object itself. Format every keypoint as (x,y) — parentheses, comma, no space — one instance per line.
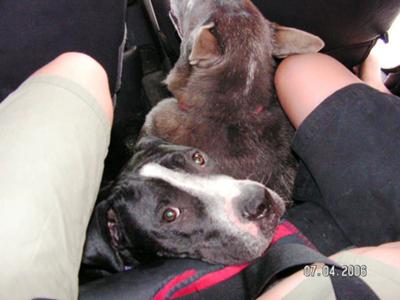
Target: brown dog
(225,103)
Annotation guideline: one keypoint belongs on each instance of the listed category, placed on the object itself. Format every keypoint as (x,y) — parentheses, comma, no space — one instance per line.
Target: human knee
(387,253)
(307,69)
(303,81)
(85,71)
(74,65)
(290,70)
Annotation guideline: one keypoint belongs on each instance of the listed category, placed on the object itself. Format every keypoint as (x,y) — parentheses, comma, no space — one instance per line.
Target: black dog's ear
(99,258)
(290,41)
(147,142)
(205,49)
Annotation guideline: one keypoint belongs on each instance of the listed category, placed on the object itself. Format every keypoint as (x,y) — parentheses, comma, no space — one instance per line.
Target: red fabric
(283,230)
(209,280)
(161,295)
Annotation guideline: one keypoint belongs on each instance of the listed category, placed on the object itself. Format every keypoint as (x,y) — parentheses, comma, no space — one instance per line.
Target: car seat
(27,29)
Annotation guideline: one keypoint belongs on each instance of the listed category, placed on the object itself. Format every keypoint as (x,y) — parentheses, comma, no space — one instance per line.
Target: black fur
(139,233)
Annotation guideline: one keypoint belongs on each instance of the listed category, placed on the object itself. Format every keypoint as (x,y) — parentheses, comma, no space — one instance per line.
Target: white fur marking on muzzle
(218,191)
(212,186)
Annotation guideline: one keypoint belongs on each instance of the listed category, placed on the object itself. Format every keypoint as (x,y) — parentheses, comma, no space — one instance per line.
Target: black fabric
(393,80)
(141,283)
(253,280)
(350,144)
(349,28)
(308,214)
(319,227)
(145,282)
(35,32)
(350,288)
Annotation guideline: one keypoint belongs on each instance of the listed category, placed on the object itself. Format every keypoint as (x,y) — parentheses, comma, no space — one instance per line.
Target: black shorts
(348,187)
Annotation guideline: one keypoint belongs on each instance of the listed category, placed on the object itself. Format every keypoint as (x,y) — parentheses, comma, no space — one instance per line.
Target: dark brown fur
(223,84)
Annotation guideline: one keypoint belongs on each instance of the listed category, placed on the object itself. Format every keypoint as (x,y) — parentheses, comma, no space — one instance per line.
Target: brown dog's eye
(198,159)
(171,214)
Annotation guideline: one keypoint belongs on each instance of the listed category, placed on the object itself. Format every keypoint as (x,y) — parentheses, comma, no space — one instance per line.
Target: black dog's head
(170,201)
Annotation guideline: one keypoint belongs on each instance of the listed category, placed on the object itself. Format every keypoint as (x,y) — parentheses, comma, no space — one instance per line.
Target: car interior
(349,29)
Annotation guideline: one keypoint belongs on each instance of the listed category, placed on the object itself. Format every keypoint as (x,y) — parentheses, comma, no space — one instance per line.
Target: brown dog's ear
(178,8)
(294,41)
(205,49)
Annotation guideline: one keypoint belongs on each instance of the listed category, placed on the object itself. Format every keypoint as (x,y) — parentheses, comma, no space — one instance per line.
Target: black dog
(170,201)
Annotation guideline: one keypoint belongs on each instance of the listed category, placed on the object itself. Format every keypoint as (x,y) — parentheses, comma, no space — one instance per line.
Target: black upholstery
(348,27)
(158,12)
(32,34)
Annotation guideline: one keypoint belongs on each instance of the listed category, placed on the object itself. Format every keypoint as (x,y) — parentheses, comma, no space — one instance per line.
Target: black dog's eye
(171,214)
(198,159)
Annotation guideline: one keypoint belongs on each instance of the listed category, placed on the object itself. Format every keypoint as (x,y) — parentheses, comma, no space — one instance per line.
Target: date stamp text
(335,271)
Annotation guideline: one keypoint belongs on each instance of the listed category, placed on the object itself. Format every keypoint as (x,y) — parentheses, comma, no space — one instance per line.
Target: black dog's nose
(257,205)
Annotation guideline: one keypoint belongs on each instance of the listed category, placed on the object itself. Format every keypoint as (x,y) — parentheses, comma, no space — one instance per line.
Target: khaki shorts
(383,279)
(53,141)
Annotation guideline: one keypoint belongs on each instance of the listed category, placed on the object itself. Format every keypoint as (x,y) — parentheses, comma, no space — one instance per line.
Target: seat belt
(283,257)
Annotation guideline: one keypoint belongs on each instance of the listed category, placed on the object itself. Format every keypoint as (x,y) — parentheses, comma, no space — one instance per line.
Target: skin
(297,78)
(386,253)
(90,75)
(296,81)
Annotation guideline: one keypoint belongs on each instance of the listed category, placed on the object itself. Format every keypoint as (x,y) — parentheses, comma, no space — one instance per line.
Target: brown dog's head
(228,48)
